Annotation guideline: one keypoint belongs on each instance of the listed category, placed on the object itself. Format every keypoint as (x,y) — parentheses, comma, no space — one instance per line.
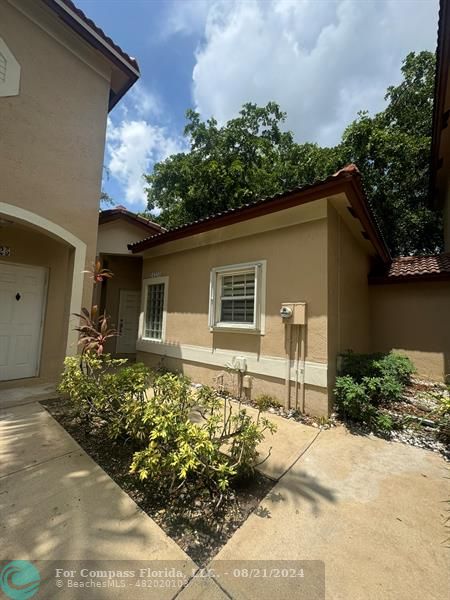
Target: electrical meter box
(293,313)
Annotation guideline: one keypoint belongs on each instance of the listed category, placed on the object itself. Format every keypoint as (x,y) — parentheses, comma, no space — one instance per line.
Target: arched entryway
(45,263)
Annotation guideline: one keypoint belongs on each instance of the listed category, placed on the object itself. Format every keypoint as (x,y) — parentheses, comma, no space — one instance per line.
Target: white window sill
(148,339)
(235,329)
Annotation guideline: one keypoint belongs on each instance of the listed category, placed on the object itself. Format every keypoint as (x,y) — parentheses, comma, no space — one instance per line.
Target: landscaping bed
(379,394)
(194,521)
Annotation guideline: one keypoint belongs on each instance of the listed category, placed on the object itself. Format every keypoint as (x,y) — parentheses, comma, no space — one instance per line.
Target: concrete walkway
(56,503)
(371,510)
(369,514)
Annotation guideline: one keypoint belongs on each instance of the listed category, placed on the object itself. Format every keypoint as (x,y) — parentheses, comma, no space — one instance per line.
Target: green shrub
(443,411)
(182,437)
(265,401)
(392,365)
(367,382)
(354,402)
(208,453)
(110,389)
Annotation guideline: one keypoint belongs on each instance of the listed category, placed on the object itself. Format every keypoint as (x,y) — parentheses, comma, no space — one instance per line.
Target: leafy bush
(110,389)
(265,401)
(367,382)
(443,431)
(391,365)
(197,439)
(181,437)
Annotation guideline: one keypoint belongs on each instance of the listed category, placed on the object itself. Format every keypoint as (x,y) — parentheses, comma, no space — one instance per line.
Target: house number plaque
(5,251)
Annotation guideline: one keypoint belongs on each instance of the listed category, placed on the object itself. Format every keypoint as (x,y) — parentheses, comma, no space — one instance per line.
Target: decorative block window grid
(154,311)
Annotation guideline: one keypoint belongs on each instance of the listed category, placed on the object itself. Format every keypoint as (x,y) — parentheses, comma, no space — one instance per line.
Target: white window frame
(145,285)
(259,323)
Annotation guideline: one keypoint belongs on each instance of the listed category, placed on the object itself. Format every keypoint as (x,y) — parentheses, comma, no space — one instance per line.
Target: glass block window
(154,312)
(237,300)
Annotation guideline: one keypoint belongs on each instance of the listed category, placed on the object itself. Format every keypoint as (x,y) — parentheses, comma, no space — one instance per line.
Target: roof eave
(92,37)
(345,181)
(440,86)
(110,215)
(420,277)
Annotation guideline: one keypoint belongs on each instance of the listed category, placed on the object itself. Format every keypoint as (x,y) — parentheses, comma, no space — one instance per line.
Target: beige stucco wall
(296,271)
(52,142)
(32,248)
(114,236)
(413,318)
(52,133)
(348,293)
(316,398)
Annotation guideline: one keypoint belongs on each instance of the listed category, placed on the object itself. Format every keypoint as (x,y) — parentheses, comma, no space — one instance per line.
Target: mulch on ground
(196,523)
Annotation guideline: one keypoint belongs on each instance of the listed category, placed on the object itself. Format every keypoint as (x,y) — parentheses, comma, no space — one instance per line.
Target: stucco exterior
(348,324)
(51,148)
(114,237)
(316,260)
(413,318)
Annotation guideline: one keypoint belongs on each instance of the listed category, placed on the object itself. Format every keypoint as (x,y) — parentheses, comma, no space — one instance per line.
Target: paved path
(57,503)
(371,512)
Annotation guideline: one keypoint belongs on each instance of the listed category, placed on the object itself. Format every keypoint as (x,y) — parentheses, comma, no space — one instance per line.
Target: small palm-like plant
(98,274)
(94,331)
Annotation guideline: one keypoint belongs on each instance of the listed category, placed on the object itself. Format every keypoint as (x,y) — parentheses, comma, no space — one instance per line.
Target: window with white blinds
(236,294)
(155,308)
(237,300)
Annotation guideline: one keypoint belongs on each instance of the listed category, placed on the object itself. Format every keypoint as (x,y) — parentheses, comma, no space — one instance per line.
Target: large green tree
(392,151)
(252,156)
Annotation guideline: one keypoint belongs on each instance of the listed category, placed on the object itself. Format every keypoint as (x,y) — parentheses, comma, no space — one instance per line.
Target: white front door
(129,308)
(22,297)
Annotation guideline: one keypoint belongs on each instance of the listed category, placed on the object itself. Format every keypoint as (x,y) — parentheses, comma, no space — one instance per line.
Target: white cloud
(136,142)
(185,17)
(133,147)
(321,61)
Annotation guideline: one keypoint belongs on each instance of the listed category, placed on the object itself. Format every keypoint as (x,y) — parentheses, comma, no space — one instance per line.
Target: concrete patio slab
(371,510)
(29,436)
(18,395)
(285,446)
(67,508)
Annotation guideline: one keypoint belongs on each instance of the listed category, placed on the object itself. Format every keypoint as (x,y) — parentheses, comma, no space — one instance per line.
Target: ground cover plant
(368,383)
(380,392)
(185,454)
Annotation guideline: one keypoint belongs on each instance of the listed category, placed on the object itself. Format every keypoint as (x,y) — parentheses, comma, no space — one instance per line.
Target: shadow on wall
(414,318)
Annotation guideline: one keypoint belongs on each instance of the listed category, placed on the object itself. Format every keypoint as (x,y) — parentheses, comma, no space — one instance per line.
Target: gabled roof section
(75,18)
(121,213)
(414,268)
(346,180)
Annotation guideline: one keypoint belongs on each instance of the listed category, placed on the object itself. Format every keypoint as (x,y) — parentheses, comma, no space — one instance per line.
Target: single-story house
(270,294)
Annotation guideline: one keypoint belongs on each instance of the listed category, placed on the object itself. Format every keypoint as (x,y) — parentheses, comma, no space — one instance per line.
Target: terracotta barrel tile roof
(98,30)
(402,268)
(348,178)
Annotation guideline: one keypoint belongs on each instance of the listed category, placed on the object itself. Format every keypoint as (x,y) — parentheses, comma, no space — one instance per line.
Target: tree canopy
(252,156)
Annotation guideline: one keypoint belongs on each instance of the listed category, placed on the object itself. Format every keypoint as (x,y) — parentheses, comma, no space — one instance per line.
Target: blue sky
(321,60)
